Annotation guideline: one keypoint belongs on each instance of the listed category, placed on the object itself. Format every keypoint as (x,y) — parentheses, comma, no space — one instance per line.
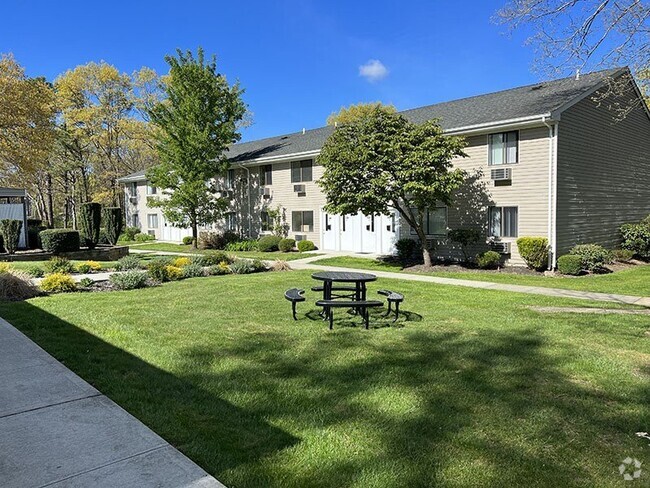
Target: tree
(196,123)
(347,115)
(382,161)
(587,34)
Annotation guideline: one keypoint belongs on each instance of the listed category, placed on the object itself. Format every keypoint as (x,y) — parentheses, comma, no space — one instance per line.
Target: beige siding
(139,207)
(603,174)
(528,192)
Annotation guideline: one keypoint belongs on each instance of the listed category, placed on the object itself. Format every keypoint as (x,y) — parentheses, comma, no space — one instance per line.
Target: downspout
(248,194)
(552,191)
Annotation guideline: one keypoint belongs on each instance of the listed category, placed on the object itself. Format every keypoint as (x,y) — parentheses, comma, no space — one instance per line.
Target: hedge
(112,217)
(90,219)
(268,243)
(570,264)
(60,240)
(10,231)
(534,251)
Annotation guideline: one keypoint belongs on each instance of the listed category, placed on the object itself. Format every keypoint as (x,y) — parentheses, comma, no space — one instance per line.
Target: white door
(330,231)
(388,234)
(349,232)
(368,233)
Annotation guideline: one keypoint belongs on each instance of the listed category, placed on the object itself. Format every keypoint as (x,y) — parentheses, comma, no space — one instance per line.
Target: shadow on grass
(378,318)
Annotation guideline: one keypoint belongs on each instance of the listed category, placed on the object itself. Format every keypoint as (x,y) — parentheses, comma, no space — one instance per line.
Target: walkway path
(533,290)
(57,430)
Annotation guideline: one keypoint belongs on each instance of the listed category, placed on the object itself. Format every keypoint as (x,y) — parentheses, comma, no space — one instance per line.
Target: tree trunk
(50,201)
(195,234)
(426,253)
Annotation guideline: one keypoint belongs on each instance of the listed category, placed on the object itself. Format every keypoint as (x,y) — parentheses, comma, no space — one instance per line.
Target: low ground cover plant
(242,266)
(128,262)
(58,264)
(129,280)
(243,245)
(58,283)
(193,270)
(594,257)
(86,282)
(488,260)
(181,262)
(89,267)
(219,269)
(622,255)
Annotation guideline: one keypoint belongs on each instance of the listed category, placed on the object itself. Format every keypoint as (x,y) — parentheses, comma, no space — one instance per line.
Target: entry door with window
(330,231)
(368,233)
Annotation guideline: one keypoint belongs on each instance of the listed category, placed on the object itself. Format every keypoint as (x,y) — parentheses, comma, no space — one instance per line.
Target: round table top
(344,276)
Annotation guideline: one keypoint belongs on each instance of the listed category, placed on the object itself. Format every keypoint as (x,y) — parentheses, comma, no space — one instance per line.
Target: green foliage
(60,240)
(142,237)
(570,264)
(466,238)
(636,238)
(112,217)
(127,263)
(534,250)
(243,245)
(34,227)
(195,125)
(16,285)
(129,233)
(383,161)
(286,245)
(242,266)
(174,273)
(35,271)
(219,269)
(216,240)
(187,240)
(193,270)
(352,113)
(59,264)
(594,257)
(622,255)
(406,249)
(488,260)
(90,219)
(83,268)
(215,257)
(157,270)
(129,280)
(86,282)
(279,225)
(305,246)
(268,243)
(58,283)
(10,231)
(258,265)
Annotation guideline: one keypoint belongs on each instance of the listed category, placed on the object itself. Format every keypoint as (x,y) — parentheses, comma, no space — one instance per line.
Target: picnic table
(330,277)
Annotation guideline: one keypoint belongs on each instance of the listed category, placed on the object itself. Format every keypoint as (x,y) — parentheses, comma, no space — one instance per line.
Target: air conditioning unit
(501,247)
(227,193)
(300,237)
(501,174)
(133,199)
(299,188)
(266,192)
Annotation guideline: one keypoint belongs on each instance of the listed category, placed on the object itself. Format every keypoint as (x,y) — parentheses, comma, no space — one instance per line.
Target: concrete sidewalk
(57,430)
(531,290)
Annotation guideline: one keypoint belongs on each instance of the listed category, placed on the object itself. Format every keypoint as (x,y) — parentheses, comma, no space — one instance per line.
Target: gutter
(552,192)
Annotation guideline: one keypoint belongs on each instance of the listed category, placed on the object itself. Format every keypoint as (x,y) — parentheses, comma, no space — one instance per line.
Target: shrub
(90,219)
(258,265)
(406,249)
(10,231)
(59,264)
(216,240)
(219,269)
(466,238)
(488,260)
(112,217)
(60,240)
(4,267)
(36,272)
(94,265)
(83,268)
(242,266)
(534,250)
(128,262)
(636,238)
(89,267)
(86,282)
(129,234)
(174,273)
(187,240)
(192,270)
(58,283)
(570,264)
(129,280)
(280,265)
(181,262)
(215,257)
(622,255)
(286,245)
(157,270)
(144,237)
(245,245)
(594,257)
(16,285)
(268,243)
(304,246)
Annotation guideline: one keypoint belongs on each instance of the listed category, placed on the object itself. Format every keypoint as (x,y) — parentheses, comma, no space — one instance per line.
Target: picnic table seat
(392,297)
(361,305)
(294,295)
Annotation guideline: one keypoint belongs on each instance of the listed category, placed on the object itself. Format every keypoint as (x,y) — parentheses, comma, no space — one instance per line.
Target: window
(266,175)
(435,221)
(503,148)
(133,189)
(231,222)
(135,221)
(302,221)
(266,221)
(151,190)
(504,221)
(230,179)
(301,171)
(152,221)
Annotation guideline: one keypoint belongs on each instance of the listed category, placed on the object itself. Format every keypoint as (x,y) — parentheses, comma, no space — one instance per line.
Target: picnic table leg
(330,313)
(366,316)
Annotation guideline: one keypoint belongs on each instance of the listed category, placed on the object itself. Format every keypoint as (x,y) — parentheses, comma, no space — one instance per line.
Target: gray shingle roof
(515,103)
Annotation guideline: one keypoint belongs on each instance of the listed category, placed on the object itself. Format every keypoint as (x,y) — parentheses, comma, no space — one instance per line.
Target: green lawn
(633,281)
(25,265)
(470,388)
(269,256)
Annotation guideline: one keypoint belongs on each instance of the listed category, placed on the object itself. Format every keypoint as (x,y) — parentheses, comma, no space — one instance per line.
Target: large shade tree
(381,161)
(196,122)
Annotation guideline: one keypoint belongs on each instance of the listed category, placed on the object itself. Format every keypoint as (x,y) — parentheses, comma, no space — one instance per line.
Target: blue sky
(297,60)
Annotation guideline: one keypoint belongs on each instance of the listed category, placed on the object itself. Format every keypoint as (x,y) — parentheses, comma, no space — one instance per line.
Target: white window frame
(301,227)
(505,148)
(151,190)
(156,220)
(502,222)
(302,164)
(266,177)
(230,221)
